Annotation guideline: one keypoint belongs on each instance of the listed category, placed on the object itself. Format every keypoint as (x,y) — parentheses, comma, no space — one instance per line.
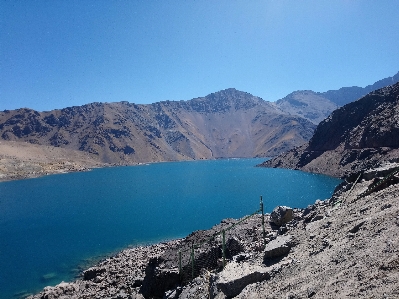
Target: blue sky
(56,54)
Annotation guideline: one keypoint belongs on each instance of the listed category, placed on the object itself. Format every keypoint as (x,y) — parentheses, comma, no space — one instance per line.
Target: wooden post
(224,247)
(192,261)
(263,222)
(180,269)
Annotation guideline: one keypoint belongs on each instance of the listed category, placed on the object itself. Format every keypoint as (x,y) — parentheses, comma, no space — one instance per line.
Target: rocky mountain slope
(308,104)
(229,123)
(316,106)
(343,247)
(362,134)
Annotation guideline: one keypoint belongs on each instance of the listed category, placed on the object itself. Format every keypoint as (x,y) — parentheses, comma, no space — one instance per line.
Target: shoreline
(18,169)
(335,227)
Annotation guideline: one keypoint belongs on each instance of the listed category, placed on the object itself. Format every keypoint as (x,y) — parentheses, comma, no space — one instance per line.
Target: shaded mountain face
(229,123)
(360,135)
(316,106)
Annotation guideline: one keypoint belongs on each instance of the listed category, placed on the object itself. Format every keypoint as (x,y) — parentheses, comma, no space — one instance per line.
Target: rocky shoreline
(343,247)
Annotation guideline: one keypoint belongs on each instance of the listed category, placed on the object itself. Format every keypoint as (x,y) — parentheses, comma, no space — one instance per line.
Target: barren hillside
(229,123)
(19,160)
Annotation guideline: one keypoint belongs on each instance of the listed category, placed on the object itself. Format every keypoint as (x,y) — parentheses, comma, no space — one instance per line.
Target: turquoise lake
(51,225)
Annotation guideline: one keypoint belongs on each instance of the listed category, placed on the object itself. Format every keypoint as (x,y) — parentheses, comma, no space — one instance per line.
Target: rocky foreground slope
(360,135)
(343,247)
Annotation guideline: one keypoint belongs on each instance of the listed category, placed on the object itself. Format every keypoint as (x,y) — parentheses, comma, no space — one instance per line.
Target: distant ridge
(360,135)
(346,95)
(228,123)
(224,124)
(316,106)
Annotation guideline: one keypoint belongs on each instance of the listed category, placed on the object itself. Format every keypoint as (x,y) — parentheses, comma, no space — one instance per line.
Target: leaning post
(192,260)
(263,221)
(224,247)
(180,269)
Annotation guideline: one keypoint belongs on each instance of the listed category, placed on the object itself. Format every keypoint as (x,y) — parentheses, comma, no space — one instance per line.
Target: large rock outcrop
(235,277)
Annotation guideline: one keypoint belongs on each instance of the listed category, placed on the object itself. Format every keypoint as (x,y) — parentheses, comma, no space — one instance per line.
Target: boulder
(93,272)
(235,277)
(279,247)
(197,288)
(62,289)
(158,280)
(233,247)
(281,215)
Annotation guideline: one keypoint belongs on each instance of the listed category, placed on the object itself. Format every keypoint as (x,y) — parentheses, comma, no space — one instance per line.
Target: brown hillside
(228,123)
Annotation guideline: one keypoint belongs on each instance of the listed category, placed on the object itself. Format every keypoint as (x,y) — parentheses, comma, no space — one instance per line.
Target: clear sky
(56,54)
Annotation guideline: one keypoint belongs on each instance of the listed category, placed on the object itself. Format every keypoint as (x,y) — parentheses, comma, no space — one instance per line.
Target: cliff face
(229,123)
(362,134)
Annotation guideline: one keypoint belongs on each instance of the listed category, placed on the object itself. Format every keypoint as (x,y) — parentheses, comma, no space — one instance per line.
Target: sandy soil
(20,160)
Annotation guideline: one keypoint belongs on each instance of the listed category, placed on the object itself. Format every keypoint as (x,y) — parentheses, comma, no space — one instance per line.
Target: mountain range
(316,106)
(228,123)
(358,136)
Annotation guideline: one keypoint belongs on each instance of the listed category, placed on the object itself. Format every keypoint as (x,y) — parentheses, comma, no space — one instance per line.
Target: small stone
(311,292)
(308,209)
(386,206)
(282,230)
(350,235)
(317,218)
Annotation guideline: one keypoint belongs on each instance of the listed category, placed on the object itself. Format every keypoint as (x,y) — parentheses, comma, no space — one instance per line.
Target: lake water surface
(50,225)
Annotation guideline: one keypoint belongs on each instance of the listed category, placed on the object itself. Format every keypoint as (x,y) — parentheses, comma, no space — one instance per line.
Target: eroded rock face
(281,215)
